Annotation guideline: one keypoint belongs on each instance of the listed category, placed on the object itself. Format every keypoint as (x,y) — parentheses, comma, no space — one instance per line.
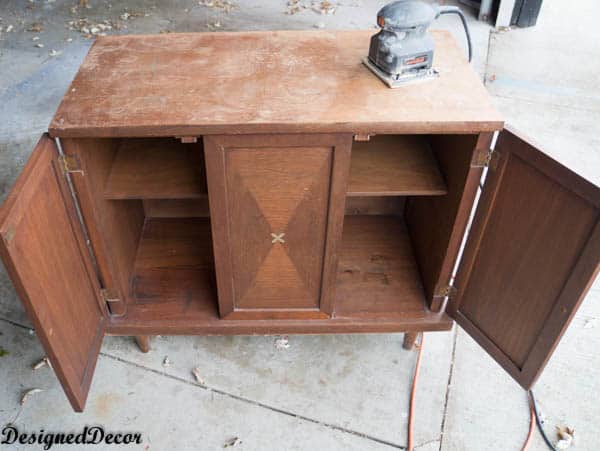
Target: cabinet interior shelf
(174,290)
(156,168)
(394,165)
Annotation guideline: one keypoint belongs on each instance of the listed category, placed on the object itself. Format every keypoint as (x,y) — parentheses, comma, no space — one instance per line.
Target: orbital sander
(402,51)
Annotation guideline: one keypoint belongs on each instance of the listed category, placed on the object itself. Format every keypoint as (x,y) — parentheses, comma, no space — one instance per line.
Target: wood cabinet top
(263,82)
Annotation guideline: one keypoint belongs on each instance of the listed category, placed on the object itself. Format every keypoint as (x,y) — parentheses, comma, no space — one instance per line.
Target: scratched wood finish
(46,257)
(377,272)
(277,209)
(437,224)
(263,82)
(394,165)
(156,169)
(533,252)
(114,228)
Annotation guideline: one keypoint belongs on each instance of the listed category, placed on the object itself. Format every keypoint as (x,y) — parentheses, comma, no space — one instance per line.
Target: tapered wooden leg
(409,340)
(143,342)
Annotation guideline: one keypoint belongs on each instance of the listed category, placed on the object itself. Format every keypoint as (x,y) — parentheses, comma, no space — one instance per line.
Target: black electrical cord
(540,425)
(456,10)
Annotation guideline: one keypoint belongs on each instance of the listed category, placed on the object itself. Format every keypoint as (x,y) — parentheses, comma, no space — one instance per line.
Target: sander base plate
(395,81)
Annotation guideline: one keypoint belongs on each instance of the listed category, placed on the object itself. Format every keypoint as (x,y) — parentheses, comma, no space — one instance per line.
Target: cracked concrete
(341,392)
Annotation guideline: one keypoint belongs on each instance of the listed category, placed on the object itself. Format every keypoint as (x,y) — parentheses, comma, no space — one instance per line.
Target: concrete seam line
(258,403)
(448,386)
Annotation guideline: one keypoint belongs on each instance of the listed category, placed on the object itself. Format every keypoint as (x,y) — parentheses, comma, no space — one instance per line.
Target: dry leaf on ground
(565,437)
(45,361)
(233,441)
(198,376)
(36,27)
(282,342)
(28,393)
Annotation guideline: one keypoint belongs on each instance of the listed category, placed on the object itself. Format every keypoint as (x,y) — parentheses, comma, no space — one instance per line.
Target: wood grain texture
(386,205)
(533,252)
(276,204)
(156,169)
(394,165)
(46,257)
(177,208)
(286,82)
(377,272)
(176,294)
(174,263)
(437,224)
(114,228)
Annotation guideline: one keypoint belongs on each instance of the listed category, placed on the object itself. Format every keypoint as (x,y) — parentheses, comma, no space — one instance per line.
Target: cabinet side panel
(437,224)
(114,227)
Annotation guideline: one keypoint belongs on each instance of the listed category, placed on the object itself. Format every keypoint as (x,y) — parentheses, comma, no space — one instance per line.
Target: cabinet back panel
(385,205)
(177,208)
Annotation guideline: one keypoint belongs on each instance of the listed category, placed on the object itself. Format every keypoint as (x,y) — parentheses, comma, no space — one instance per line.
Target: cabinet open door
(43,249)
(532,253)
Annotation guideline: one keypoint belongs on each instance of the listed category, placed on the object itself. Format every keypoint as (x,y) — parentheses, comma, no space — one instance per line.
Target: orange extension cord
(411,406)
(531,423)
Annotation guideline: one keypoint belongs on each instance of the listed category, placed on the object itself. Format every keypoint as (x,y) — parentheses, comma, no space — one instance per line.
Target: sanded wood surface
(156,169)
(268,81)
(394,165)
(46,257)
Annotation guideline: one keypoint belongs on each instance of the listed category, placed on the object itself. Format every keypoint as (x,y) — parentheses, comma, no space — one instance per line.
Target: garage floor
(328,392)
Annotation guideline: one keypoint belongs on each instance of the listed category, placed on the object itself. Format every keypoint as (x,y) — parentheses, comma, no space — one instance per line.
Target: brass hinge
(108,297)
(447,291)
(487,158)
(70,164)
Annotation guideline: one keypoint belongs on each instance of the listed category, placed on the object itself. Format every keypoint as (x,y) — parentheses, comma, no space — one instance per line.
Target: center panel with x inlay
(277,201)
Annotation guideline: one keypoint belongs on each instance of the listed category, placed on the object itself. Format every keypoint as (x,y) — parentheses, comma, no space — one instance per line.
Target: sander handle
(456,10)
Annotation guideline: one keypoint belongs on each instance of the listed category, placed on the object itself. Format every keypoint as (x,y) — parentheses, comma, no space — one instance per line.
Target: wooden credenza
(268,183)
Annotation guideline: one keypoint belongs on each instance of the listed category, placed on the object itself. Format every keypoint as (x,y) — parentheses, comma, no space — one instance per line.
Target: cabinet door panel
(46,257)
(275,213)
(532,253)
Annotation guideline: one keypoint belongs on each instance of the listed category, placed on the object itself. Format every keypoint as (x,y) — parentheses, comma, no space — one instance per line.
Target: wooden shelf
(174,290)
(394,165)
(157,168)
